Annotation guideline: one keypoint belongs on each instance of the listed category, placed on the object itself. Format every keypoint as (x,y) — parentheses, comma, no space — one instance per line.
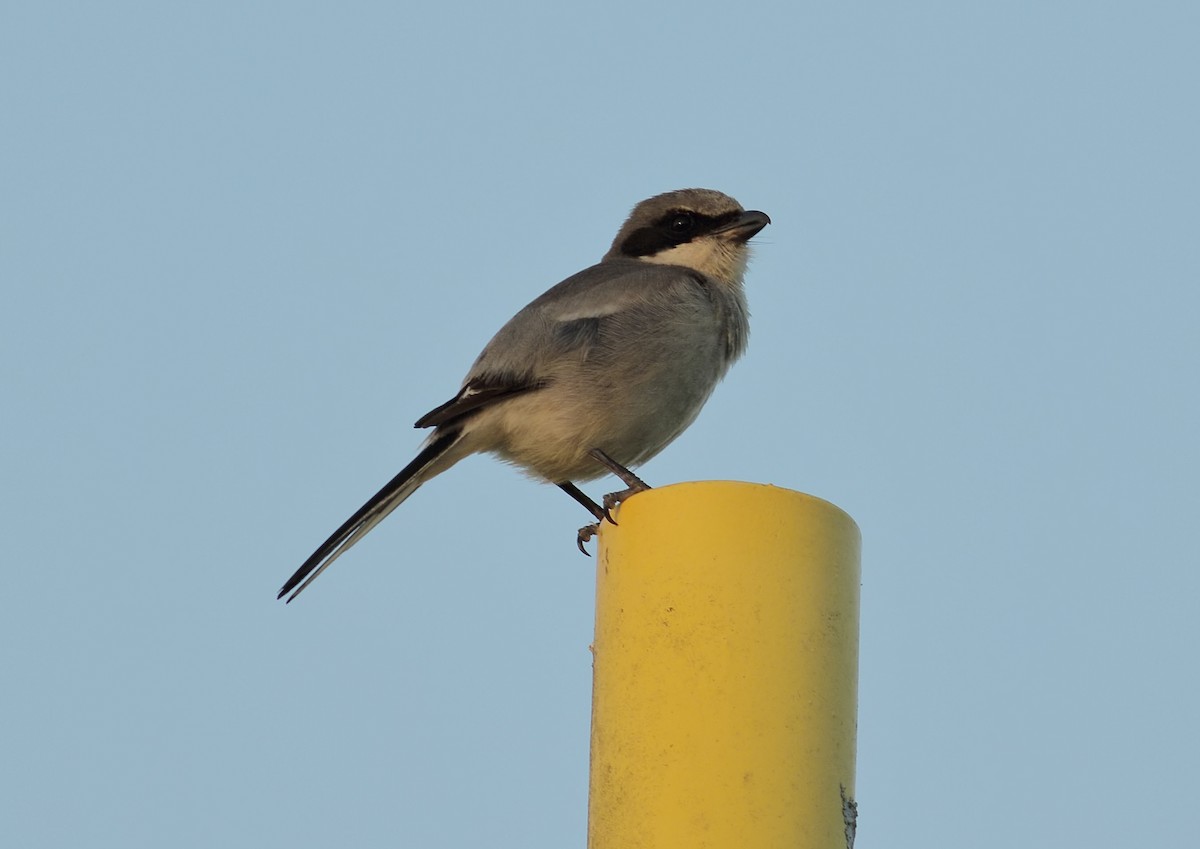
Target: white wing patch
(595,308)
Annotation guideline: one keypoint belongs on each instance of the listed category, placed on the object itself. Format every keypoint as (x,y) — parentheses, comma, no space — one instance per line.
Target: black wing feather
(479,392)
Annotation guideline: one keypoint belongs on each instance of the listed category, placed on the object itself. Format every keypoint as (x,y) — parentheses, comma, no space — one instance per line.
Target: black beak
(743,228)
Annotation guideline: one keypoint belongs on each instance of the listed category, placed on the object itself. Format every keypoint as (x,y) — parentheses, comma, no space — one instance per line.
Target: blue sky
(244,246)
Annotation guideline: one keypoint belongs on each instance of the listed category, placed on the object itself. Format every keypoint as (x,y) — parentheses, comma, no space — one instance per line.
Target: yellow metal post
(724,705)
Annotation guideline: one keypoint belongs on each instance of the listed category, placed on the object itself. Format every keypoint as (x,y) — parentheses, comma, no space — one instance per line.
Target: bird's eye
(682,223)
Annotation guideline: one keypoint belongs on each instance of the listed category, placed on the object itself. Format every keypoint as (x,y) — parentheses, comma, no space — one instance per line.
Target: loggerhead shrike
(599,373)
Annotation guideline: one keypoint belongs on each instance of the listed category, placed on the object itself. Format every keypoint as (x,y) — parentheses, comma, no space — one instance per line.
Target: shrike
(601,372)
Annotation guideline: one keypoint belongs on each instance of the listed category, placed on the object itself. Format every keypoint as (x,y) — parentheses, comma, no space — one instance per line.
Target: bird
(599,373)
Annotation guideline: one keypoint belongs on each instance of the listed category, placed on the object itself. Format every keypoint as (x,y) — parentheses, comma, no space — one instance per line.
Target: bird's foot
(585,535)
(613,499)
(603,513)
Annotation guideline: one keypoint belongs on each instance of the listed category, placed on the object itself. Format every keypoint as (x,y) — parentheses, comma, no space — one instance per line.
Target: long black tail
(370,514)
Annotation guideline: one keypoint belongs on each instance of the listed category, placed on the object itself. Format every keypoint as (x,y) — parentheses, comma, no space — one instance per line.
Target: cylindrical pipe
(724,705)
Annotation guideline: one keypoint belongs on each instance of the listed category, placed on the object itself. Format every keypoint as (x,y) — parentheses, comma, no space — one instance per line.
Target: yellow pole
(724,703)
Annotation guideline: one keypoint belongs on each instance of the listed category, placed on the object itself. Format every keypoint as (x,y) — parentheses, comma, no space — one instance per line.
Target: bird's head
(700,229)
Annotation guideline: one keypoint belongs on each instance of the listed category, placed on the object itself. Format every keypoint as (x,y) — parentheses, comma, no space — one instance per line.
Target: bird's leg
(627,477)
(601,513)
(591,506)
(632,481)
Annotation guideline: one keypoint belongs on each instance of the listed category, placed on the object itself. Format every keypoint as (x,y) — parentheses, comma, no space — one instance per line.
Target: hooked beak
(743,228)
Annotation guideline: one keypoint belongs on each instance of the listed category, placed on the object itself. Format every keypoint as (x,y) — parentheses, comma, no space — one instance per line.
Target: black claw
(608,516)
(585,534)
